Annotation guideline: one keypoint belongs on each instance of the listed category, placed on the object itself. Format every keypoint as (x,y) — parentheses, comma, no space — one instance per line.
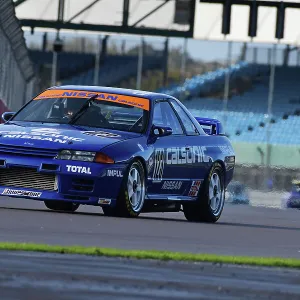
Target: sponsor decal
(104,201)
(101,134)
(21,193)
(42,134)
(114,173)
(186,156)
(180,155)
(172,185)
(78,169)
(193,192)
(139,102)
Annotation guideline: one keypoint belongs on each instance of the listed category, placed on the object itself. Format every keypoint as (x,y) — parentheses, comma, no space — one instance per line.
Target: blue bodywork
(30,149)
(292,199)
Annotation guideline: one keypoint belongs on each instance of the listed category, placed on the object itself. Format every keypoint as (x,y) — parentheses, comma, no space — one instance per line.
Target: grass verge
(154,254)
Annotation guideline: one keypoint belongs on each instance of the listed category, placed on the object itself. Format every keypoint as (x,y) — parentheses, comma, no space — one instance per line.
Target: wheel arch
(223,168)
(143,162)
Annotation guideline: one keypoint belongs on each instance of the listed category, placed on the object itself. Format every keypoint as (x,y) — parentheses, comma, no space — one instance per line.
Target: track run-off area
(243,230)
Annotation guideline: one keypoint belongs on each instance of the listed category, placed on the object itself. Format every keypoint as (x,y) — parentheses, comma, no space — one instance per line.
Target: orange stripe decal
(142,103)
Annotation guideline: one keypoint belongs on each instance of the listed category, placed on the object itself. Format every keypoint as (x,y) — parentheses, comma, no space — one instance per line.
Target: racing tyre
(62,206)
(132,193)
(210,203)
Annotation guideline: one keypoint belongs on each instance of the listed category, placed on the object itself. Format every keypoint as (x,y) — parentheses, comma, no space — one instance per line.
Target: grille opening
(76,198)
(2,162)
(82,185)
(81,188)
(50,167)
(26,178)
(83,181)
(26,151)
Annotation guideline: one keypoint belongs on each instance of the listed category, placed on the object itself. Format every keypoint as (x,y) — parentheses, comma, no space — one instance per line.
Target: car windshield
(101,112)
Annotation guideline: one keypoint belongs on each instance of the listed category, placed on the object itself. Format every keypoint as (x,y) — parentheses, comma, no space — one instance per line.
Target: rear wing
(211,126)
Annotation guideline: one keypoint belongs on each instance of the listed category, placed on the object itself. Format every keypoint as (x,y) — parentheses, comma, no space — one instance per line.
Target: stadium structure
(257,95)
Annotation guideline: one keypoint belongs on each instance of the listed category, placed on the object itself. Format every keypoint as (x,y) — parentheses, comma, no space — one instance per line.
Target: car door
(197,145)
(168,175)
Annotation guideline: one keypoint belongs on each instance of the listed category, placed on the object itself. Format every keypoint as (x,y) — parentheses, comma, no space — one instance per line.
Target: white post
(183,65)
(54,68)
(226,87)
(140,65)
(97,62)
(270,103)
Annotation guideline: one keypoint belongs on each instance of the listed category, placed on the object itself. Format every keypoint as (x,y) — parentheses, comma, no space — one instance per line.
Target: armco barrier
(17,78)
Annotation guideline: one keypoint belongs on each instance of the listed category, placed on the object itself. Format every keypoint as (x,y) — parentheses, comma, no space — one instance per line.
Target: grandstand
(246,116)
(79,68)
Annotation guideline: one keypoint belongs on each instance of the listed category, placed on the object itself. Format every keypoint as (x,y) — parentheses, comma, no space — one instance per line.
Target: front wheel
(132,193)
(61,206)
(210,203)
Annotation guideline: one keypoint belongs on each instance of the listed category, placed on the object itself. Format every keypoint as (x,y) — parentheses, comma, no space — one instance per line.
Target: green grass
(153,254)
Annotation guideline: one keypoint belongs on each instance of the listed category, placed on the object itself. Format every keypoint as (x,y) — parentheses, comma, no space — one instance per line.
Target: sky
(208,44)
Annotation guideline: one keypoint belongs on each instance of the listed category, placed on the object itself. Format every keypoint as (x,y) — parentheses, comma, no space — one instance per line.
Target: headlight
(85,156)
(76,155)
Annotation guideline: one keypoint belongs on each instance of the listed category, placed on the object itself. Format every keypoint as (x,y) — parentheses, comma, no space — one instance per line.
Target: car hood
(59,136)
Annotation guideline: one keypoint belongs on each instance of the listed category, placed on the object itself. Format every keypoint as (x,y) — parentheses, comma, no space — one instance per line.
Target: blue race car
(292,199)
(124,150)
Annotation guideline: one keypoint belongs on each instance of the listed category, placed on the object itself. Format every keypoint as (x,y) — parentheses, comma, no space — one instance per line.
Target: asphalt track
(242,230)
(36,276)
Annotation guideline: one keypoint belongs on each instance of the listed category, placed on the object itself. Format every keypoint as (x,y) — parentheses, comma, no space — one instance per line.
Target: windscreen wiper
(85,106)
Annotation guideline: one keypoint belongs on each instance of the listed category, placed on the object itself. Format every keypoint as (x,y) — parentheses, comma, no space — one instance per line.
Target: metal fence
(17,80)
(285,55)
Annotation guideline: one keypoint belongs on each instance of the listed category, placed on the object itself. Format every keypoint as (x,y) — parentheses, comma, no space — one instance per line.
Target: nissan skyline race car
(292,199)
(124,150)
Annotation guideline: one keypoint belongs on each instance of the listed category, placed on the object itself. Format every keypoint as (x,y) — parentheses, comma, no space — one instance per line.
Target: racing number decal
(159,164)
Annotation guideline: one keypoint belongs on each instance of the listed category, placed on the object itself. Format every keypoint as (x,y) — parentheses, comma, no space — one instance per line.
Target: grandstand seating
(250,109)
(78,68)
(213,81)
(69,63)
(115,69)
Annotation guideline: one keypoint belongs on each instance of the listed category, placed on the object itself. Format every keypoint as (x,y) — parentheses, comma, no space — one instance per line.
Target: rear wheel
(209,206)
(62,206)
(132,193)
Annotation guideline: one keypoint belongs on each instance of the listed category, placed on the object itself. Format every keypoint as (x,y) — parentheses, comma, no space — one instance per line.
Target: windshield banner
(128,100)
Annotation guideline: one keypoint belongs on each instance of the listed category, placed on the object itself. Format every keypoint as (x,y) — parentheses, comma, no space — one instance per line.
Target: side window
(164,115)
(187,122)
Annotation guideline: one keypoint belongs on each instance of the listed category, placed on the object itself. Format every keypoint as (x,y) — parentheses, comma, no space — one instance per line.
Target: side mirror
(7,116)
(159,131)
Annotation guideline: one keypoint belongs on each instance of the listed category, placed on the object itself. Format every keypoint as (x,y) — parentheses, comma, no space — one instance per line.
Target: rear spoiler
(211,126)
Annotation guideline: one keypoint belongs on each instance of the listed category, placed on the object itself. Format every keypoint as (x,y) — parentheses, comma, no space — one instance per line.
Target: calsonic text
(78,169)
(179,155)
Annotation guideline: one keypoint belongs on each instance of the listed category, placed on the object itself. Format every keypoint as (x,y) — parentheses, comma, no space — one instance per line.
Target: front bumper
(73,181)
